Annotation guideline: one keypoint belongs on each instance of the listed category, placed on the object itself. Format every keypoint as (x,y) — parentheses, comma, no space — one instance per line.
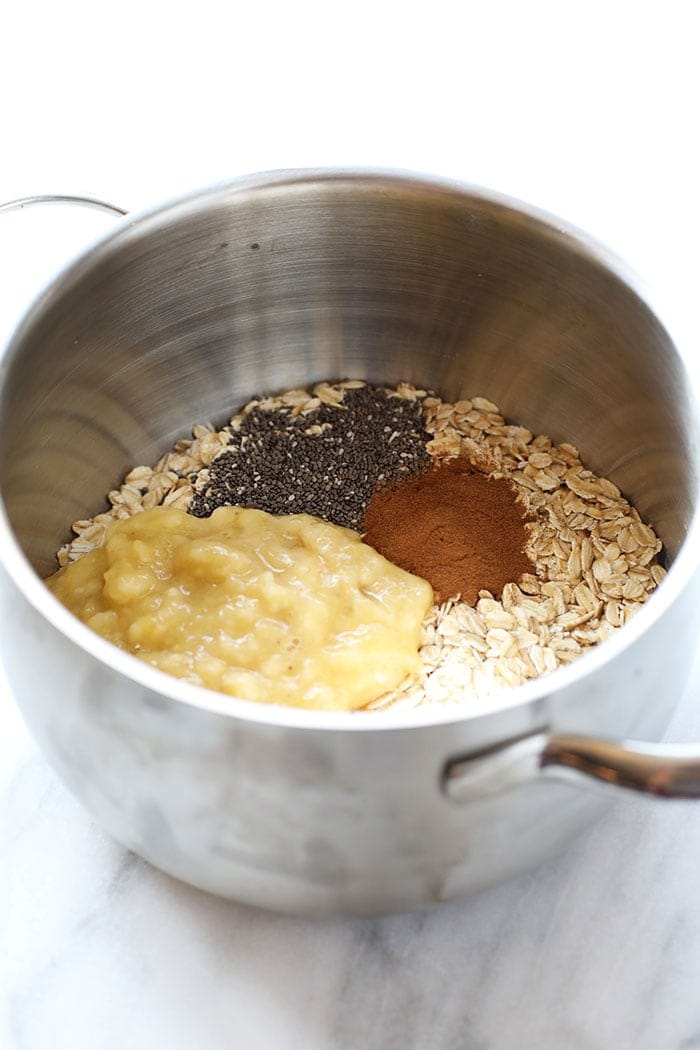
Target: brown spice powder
(456,527)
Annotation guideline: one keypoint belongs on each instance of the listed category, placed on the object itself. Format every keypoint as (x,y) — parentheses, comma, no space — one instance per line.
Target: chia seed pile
(327,461)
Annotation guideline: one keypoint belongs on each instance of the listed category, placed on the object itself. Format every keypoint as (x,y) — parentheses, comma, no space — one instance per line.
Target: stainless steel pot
(183,313)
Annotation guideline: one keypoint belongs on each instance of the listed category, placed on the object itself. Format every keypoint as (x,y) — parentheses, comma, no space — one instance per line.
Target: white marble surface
(589,111)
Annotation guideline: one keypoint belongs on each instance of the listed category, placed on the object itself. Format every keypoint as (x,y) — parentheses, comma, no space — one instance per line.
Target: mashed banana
(287,609)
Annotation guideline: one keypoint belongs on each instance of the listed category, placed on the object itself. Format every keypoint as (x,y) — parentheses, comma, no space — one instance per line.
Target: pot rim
(33,589)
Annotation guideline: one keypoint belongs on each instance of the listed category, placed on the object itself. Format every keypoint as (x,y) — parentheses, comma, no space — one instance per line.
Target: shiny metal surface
(271,282)
(669,771)
(498,768)
(664,770)
(60,198)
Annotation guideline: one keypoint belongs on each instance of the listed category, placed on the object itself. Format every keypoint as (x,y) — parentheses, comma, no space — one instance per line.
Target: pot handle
(663,770)
(56,198)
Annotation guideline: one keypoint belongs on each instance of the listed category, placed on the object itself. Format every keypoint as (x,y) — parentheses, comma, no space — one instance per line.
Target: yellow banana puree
(277,609)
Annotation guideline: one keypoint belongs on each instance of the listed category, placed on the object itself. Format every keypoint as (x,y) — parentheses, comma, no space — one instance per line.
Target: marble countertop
(598,949)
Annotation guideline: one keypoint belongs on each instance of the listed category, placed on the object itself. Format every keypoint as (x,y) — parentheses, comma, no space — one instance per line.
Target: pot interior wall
(183,316)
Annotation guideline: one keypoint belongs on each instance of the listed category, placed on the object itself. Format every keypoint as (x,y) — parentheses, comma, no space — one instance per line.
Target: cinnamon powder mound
(462,531)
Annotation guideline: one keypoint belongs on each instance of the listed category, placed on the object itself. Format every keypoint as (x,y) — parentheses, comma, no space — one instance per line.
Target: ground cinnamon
(456,527)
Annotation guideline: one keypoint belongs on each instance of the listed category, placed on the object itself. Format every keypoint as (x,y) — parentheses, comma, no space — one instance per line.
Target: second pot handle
(56,198)
(666,770)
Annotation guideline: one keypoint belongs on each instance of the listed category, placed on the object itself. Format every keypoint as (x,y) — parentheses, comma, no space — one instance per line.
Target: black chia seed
(273,464)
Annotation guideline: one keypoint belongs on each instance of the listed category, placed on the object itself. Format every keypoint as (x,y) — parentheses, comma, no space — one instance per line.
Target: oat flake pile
(593,561)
